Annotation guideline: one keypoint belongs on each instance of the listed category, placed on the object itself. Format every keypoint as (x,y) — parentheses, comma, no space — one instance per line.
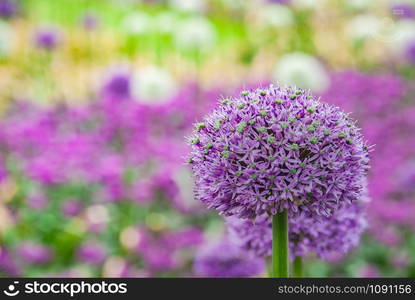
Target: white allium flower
(188,5)
(308,3)
(403,35)
(195,33)
(137,23)
(364,27)
(6,36)
(235,4)
(277,15)
(301,70)
(360,4)
(184,180)
(166,22)
(153,85)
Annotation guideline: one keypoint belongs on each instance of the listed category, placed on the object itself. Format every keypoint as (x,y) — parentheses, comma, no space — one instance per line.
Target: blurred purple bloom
(91,252)
(71,207)
(327,237)
(8,8)
(34,253)
(188,237)
(117,85)
(410,52)
(404,11)
(367,96)
(3,171)
(274,149)
(7,266)
(47,38)
(156,255)
(369,271)
(226,260)
(90,21)
(37,201)
(279,1)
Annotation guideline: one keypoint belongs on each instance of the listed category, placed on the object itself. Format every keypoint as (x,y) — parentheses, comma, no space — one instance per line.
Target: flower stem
(280,245)
(298,267)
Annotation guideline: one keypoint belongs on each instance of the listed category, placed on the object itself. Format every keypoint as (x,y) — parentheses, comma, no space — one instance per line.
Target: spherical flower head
(225,259)
(3,171)
(47,38)
(410,52)
(137,23)
(403,11)
(327,237)
(34,253)
(189,6)
(279,1)
(302,70)
(71,207)
(90,21)
(8,8)
(92,252)
(153,85)
(363,27)
(277,149)
(117,85)
(195,33)
(6,39)
(277,15)
(403,36)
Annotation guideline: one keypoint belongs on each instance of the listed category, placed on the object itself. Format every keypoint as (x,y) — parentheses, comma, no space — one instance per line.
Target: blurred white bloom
(277,15)
(188,5)
(5,39)
(360,4)
(166,22)
(195,33)
(137,23)
(153,85)
(234,4)
(403,36)
(363,27)
(301,70)
(184,180)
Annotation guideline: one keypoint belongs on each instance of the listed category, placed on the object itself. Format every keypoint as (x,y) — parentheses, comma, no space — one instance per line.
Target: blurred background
(97,97)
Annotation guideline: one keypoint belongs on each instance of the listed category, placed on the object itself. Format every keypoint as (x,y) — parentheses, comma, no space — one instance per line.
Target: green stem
(280,245)
(298,267)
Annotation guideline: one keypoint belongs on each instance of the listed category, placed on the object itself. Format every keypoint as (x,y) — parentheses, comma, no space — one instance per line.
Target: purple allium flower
(37,200)
(274,149)
(117,86)
(279,1)
(8,8)
(34,253)
(327,237)
(71,207)
(90,21)
(188,237)
(410,52)
(47,38)
(369,271)
(226,260)
(3,171)
(404,11)
(156,254)
(91,252)
(7,264)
